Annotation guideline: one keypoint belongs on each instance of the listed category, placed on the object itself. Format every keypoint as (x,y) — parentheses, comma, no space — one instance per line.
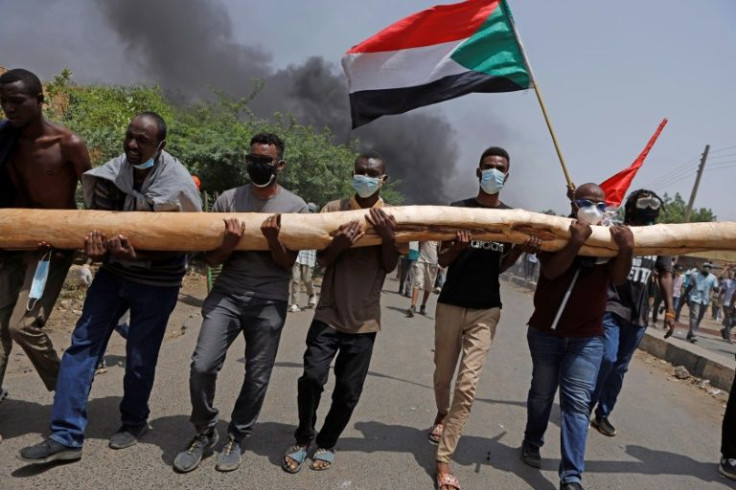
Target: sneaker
(127,436)
(530,455)
(423,310)
(573,485)
(727,468)
(230,456)
(101,367)
(189,459)
(294,308)
(410,312)
(122,329)
(3,394)
(604,426)
(48,451)
(437,290)
(312,301)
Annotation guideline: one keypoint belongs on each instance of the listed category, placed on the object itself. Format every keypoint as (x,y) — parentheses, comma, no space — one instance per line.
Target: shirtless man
(40,165)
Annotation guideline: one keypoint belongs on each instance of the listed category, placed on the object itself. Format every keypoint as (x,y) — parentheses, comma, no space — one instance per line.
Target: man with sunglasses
(250,297)
(565,335)
(627,312)
(699,292)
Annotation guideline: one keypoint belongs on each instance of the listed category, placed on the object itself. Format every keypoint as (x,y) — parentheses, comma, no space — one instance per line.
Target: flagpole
(570,185)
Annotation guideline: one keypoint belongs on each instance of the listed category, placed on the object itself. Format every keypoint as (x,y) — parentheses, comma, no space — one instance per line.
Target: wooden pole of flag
(568,179)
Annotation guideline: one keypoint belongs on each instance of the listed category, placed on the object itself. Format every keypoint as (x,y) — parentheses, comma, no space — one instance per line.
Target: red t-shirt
(583,314)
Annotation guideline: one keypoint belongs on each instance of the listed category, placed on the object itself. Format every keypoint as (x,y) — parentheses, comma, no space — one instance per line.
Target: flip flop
(325,456)
(435,433)
(296,453)
(447,480)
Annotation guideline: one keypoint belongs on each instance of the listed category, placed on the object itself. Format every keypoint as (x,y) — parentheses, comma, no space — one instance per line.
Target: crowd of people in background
(589,313)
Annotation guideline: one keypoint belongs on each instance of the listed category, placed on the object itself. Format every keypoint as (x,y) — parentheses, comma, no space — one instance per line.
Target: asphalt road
(669,431)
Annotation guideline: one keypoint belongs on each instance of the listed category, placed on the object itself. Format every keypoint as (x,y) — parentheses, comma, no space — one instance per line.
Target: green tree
(210,137)
(674,211)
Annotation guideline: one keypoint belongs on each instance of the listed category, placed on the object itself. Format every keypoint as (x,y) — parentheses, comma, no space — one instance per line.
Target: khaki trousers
(23,326)
(459,331)
(301,273)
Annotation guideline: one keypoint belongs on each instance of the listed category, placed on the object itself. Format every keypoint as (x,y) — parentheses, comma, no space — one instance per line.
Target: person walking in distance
(425,273)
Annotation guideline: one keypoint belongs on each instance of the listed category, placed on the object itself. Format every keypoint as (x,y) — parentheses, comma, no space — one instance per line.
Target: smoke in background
(187,46)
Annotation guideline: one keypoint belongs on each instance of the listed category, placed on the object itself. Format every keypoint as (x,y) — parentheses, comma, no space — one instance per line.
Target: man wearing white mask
(565,334)
(145,178)
(347,318)
(468,311)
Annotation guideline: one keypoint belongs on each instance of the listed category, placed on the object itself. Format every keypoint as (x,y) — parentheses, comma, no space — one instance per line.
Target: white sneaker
(294,308)
(312,301)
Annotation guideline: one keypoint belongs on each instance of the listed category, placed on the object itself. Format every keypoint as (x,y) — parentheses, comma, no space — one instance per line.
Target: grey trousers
(225,316)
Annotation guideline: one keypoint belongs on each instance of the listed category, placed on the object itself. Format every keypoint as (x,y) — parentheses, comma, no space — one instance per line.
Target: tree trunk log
(67,229)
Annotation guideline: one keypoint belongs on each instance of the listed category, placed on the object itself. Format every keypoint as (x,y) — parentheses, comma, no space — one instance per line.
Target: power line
(723,149)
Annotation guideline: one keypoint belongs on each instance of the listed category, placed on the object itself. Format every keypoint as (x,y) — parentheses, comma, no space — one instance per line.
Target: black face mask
(261,172)
(646,216)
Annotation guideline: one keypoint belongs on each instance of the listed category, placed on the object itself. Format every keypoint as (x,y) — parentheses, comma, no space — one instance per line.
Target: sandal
(435,433)
(296,453)
(325,456)
(447,480)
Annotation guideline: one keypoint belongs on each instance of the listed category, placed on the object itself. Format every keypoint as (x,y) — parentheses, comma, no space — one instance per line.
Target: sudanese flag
(438,54)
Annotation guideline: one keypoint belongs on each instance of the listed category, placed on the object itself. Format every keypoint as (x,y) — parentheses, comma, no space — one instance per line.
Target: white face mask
(590,215)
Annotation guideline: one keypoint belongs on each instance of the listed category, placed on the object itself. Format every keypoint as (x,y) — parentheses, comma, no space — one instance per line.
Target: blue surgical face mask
(39,280)
(366,186)
(492,180)
(148,163)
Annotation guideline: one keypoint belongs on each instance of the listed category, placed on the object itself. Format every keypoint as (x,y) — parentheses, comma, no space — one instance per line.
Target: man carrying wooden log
(143,178)
(565,334)
(347,318)
(40,165)
(627,312)
(468,310)
(250,297)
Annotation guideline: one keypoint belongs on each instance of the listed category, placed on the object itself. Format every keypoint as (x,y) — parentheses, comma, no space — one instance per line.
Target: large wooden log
(25,228)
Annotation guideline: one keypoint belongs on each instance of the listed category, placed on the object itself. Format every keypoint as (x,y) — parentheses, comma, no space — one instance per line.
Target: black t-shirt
(472,279)
(630,300)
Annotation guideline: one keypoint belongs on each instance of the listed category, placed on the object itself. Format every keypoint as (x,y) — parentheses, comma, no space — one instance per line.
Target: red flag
(616,187)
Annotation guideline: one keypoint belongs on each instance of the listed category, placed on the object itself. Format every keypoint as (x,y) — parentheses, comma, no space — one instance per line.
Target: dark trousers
(108,298)
(227,315)
(354,353)
(728,436)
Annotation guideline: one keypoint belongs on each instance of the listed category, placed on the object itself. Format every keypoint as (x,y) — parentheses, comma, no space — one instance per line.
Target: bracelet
(669,314)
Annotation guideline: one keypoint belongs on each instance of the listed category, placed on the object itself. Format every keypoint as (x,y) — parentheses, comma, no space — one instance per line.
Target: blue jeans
(621,339)
(107,299)
(572,364)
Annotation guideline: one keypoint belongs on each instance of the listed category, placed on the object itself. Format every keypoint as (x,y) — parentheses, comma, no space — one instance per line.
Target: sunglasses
(586,203)
(650,202)
(250,158)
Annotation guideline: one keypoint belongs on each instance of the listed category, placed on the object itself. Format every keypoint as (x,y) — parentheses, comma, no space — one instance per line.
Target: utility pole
(701,167)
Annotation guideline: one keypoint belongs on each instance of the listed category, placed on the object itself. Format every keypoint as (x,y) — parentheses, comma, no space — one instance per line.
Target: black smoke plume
(188,47)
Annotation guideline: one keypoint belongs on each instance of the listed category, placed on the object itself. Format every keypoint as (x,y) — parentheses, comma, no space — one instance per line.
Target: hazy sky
(609,72)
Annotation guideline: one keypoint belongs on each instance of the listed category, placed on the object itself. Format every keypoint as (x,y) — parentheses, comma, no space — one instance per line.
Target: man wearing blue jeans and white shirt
(144,178)
(627,312)
(565,335)
(698,293)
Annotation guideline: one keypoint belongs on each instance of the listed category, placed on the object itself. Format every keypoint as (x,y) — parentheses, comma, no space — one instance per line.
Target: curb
(719,373)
